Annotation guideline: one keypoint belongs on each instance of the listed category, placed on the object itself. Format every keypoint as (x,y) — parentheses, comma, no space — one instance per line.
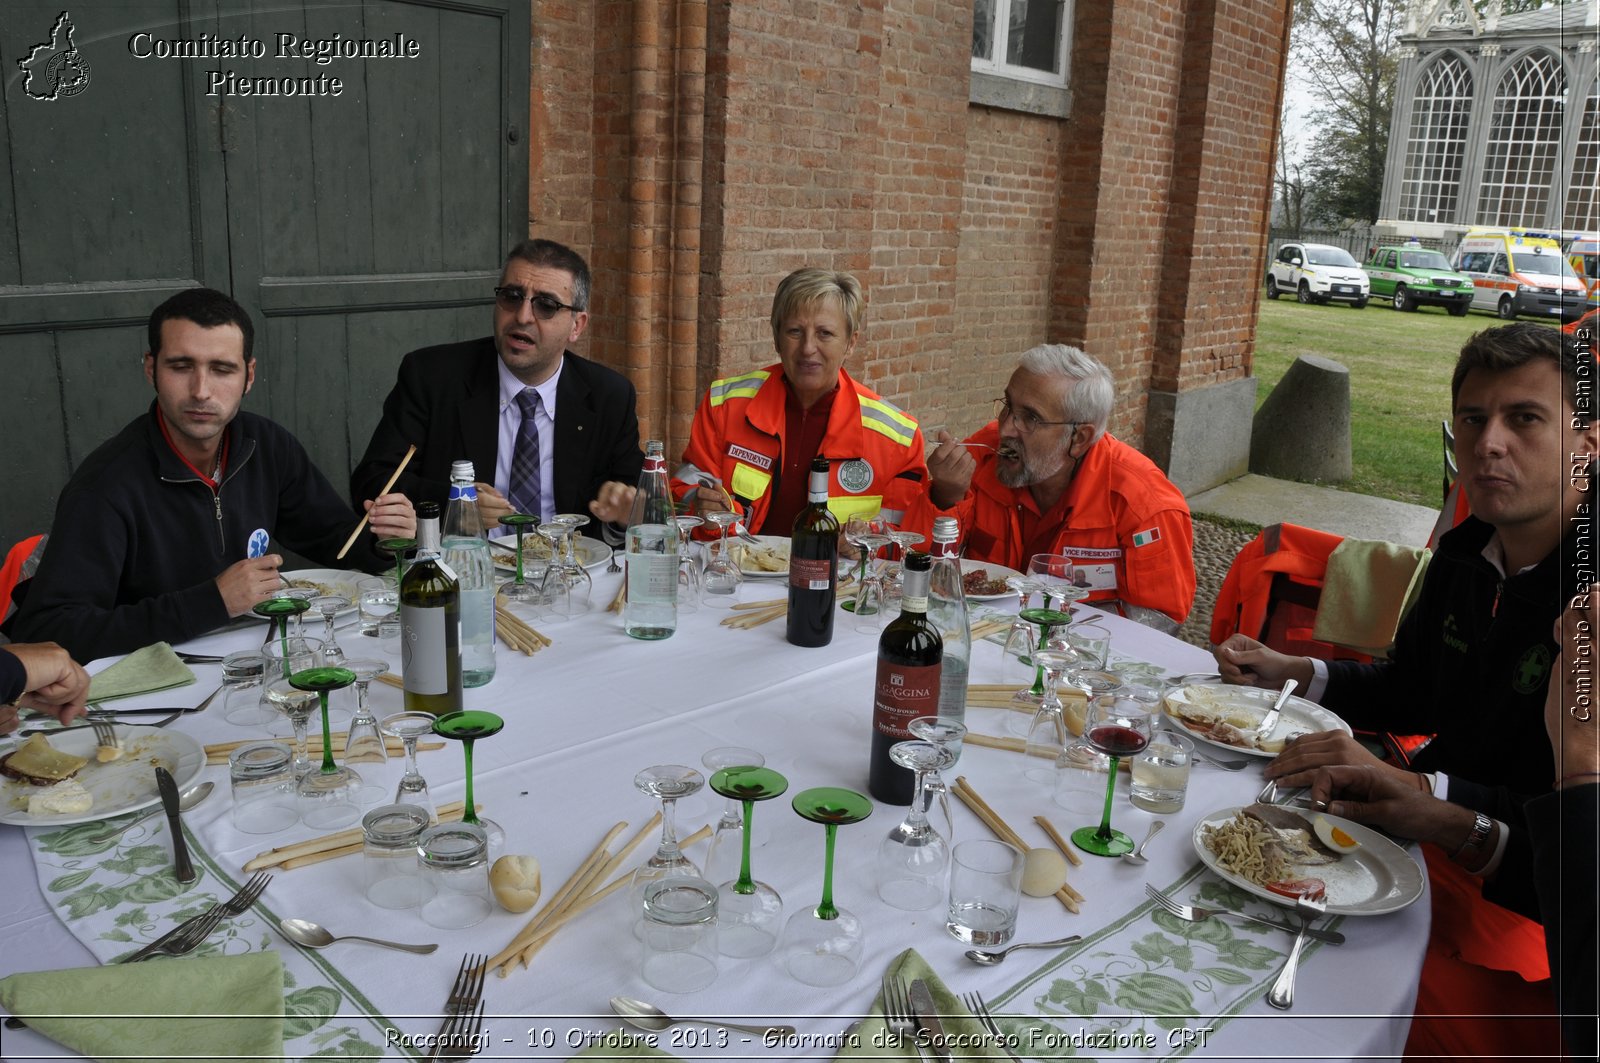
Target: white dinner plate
(774,548)
(1378,878)
(592,553)
(1251,705)
(344,582)
(995,572)
(123,785)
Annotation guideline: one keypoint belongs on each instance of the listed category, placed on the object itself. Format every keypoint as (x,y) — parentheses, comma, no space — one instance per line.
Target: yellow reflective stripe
(749,481)
(885,419)
(744,386)
(848,506)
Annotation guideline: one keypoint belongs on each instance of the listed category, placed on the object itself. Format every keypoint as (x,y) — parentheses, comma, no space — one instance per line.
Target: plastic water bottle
(651,611)
(947,608)
(467,552)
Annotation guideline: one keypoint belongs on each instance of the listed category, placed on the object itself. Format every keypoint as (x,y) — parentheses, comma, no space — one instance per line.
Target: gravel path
(1215,546)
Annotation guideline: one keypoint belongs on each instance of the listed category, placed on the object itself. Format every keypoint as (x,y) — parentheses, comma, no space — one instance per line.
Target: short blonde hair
(806,287)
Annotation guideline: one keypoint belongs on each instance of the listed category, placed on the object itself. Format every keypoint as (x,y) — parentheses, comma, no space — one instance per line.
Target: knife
(928,1018)
(180,848)
(1270,720)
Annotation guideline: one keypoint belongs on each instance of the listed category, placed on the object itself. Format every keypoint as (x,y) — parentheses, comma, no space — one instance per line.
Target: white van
(1517,272)
(1583,255)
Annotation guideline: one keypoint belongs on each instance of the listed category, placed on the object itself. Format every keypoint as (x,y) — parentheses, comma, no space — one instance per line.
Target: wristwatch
(1482,825)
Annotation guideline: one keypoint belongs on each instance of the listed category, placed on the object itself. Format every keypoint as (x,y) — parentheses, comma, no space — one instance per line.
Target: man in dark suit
(556,433)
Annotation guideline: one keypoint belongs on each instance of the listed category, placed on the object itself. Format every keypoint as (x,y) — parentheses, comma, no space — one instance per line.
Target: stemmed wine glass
(363,744)
(466,728)
(521,591)
(1117,727)
(914,859)
(577,576)
(1024,645)
(870,535)
(285,603)
(1047,735)
(666,783)
(1088,644)
(282,659)
(329,605)
(331,796)
(722,855)
(413,788)
(906,541)
(747,911)
(397,547)
(562,590)
(822,945)
(1052,574)
(688,567)
(721,581)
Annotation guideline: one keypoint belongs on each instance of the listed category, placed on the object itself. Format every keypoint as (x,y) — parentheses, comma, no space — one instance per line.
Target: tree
(1288,184)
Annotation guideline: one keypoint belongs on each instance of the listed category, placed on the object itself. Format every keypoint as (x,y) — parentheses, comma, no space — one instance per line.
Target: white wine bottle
(430,624)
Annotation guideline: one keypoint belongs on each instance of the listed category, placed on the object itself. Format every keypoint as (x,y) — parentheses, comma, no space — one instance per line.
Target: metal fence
(1359,241)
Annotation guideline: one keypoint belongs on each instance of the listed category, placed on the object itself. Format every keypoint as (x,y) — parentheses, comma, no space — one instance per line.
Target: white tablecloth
(583,716)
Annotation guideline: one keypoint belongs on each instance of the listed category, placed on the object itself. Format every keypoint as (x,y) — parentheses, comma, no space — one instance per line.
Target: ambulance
(1583,255)
(1518,272)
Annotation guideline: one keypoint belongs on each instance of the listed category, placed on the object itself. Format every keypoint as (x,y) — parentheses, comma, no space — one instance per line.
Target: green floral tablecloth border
(120,902)
(1130,988)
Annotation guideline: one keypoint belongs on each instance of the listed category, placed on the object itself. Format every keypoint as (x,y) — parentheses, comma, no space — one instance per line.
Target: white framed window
(1581,210)
(1524,149)
(1026,40)
(1436,147)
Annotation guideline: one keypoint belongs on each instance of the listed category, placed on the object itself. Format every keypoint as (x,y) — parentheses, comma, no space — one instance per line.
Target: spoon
(993,959)
(1137,856)
(649,1017)
(306,934)
(186,800)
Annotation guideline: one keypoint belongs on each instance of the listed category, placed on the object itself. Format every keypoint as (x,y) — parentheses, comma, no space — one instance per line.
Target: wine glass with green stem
(1117,727)
(520,590)
(397,547)
(467,727)
(722,854)
(330,797)
(822,945)
(281,660)
(748,912)
(285,604)
(1025,703)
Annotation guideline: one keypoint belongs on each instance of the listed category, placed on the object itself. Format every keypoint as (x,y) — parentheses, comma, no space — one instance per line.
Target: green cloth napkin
(1366,590)
(141,672)
(236,1004)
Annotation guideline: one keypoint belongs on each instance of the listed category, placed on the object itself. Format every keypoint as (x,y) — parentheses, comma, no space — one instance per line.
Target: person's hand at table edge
(1365,794)
(244,583)
(1243,661)
(54,684)
(614,503)
(1304,754)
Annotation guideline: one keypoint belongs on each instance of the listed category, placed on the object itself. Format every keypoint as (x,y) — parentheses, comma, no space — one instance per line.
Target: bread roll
(515,881)
(1043,872)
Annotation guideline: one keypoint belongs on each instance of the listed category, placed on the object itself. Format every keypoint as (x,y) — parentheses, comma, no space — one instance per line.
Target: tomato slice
(1299,887)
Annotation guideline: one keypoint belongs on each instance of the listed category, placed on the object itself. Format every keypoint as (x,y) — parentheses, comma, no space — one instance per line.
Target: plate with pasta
(1368,875)
(1227,717)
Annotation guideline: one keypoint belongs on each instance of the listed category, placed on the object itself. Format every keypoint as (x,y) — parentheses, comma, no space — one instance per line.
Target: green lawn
(1400,368)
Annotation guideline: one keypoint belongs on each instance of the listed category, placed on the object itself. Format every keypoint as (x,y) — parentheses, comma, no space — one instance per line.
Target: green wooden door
(354,227)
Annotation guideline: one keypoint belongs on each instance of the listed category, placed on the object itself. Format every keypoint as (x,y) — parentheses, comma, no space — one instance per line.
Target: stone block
(1302,431)
(1201,437)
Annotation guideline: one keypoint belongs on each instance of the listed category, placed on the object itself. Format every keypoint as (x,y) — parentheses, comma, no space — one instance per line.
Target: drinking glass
(413,788)
(822,945)
(521,591)
(467,727)
(453,859)
(561,590)
(869,535)
(748,912)
(1091,645)
(241,679)
(1047,735)
(1117,727)
(1052,573)
(688,565)
(379,602)
(331,796)
(985,892)
(397,547)
(283,659)
(895,590)
(363,742)
(681,932)
(577,576)
(1159,775)
(666,783)
(722,855)
(914,859)
(722,581)
(330,605)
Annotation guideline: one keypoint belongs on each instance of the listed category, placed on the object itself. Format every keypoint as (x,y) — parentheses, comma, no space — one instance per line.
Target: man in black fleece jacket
(153,534)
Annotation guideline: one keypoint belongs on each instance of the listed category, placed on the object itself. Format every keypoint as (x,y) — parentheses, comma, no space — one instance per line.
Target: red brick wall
(839,133)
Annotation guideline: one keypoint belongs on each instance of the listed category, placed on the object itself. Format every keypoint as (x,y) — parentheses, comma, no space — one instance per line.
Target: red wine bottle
(909,654)
(814,565)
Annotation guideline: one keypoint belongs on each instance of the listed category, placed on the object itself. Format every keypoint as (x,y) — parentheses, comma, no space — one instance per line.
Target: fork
(105,734)
(1193,913)
(975,1004)
(897,1012)
(1281,995)
(466,993)
(461,1042)
(188,935)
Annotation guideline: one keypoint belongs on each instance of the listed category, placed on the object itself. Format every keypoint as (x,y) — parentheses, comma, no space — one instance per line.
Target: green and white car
(1410,276)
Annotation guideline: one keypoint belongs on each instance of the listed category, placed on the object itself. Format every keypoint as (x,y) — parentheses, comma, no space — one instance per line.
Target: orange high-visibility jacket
(1301,554)
(875,450)
(1126,523)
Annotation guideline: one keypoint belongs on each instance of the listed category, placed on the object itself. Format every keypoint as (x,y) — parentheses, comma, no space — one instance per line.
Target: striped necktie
(523,493)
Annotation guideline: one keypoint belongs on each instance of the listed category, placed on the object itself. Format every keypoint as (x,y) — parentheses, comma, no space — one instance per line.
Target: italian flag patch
(1145,538)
